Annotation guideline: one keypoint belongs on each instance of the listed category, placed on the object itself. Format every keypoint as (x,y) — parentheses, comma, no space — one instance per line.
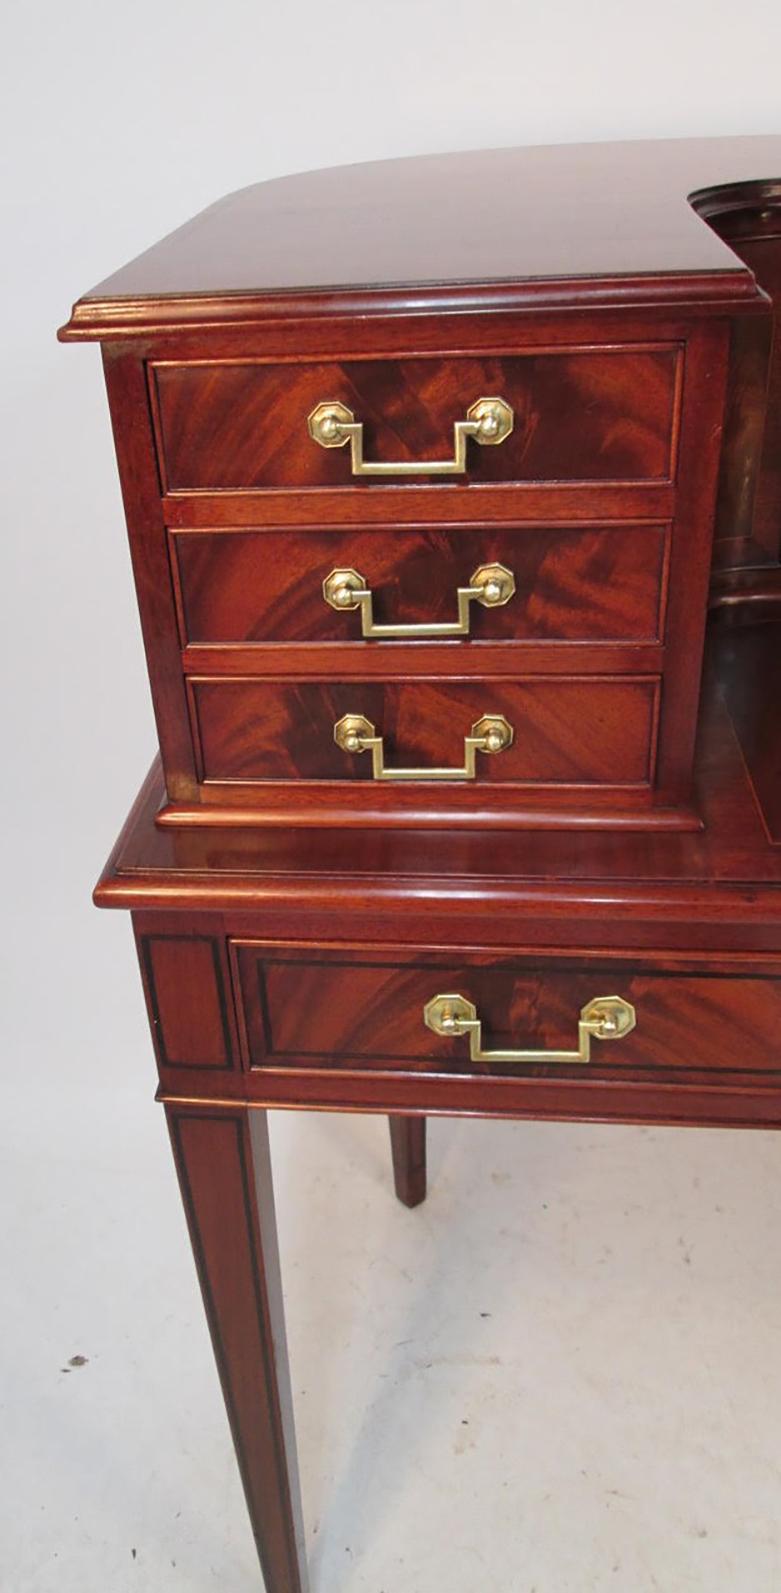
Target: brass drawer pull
(492,585)
(488,420)
(603,1018)
(490,734)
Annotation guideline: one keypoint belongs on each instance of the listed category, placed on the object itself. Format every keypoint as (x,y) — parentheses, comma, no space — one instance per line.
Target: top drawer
(581,414)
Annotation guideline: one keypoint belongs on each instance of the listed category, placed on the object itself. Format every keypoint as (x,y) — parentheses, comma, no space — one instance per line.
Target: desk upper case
(504,434)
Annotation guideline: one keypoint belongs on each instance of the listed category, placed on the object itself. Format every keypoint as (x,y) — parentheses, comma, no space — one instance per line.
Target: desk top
(427,231)
(727,876)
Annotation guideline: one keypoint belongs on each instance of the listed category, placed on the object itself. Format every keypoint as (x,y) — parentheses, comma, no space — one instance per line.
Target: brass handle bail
(492,585)
(356,734)
(488,421)
(603,1018)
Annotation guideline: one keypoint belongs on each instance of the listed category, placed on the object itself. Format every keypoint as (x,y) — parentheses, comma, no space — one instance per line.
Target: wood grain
(189,1007)
(589,731)
(224,1169)
(218,594)
(604,414)
(365,1009)
(573,583)
(613,218)
(719,888)
(288,946)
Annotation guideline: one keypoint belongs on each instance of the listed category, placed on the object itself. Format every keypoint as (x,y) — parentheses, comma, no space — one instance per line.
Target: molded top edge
(529,227)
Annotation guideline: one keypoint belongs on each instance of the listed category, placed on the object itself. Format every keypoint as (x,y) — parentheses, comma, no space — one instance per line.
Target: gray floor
(559,1374)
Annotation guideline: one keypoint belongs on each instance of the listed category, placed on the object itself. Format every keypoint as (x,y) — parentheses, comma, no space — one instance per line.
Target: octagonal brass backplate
(496,732)
(326,421)
(339,586)
(446,1014)
(609,1017)
(351,730)
(496,584)
(494,417)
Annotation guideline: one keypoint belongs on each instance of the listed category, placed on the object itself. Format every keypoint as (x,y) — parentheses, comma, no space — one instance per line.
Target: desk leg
(408,1146)
(222,1159)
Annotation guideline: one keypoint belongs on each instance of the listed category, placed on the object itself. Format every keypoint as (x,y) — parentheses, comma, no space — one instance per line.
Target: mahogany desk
(231,923)
(432,469)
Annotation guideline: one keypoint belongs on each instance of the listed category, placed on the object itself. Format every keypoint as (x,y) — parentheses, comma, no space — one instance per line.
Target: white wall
(121,122)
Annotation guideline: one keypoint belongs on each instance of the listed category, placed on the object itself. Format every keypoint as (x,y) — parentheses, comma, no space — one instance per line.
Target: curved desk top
(593,223)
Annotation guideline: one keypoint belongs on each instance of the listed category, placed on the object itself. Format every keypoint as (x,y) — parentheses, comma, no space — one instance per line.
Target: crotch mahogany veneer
(429,469)
(424,466)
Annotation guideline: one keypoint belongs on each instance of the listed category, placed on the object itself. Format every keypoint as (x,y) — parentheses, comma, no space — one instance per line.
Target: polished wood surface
(187,987)
(351,1008)
(222,1159)
(600,888)
(580,584)
(567,731)
(131,423)
(333,952)
(292,916)
(668,397)
(580,415)
(408,1147)
(614,216)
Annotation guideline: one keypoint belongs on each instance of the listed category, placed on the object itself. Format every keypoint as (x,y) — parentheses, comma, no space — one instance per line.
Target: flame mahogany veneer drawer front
(580,414)
(361,1009)
(582,731)
(572,583)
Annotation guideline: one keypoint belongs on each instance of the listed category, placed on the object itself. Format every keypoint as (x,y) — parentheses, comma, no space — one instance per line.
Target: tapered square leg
(408,1146)
(224,1167)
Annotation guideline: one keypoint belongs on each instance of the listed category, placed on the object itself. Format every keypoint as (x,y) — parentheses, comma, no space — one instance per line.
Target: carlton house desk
(453,490)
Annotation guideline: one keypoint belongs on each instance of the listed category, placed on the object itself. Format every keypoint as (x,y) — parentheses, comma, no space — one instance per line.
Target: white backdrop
(120,123)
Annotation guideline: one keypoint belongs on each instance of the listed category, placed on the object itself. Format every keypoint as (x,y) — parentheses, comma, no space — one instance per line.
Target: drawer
(566,731)
(363,1010)
(572,583)
(578,414)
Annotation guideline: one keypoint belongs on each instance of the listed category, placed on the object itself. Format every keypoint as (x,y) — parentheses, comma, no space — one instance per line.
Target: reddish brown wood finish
(335,952)
(589,343)
(566,731)
(189,1005)
(288,964)
(131,422)
(585,414)
(194,751)
(529,926)
(224,1168)
(613,217)
(567,888)
(680,589)
(590,584)
(408,1147)
(360,1009)
(748,216)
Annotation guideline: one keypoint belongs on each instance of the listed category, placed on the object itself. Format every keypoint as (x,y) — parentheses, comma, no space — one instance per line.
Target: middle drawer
(584,583)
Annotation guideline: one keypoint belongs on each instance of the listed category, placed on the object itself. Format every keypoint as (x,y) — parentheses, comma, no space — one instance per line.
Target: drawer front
(355,1009)
(605,414)
(566,731)
(578,584)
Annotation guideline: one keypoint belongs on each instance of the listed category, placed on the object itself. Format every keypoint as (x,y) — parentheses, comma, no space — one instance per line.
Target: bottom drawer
(355,1009)
(589,730)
